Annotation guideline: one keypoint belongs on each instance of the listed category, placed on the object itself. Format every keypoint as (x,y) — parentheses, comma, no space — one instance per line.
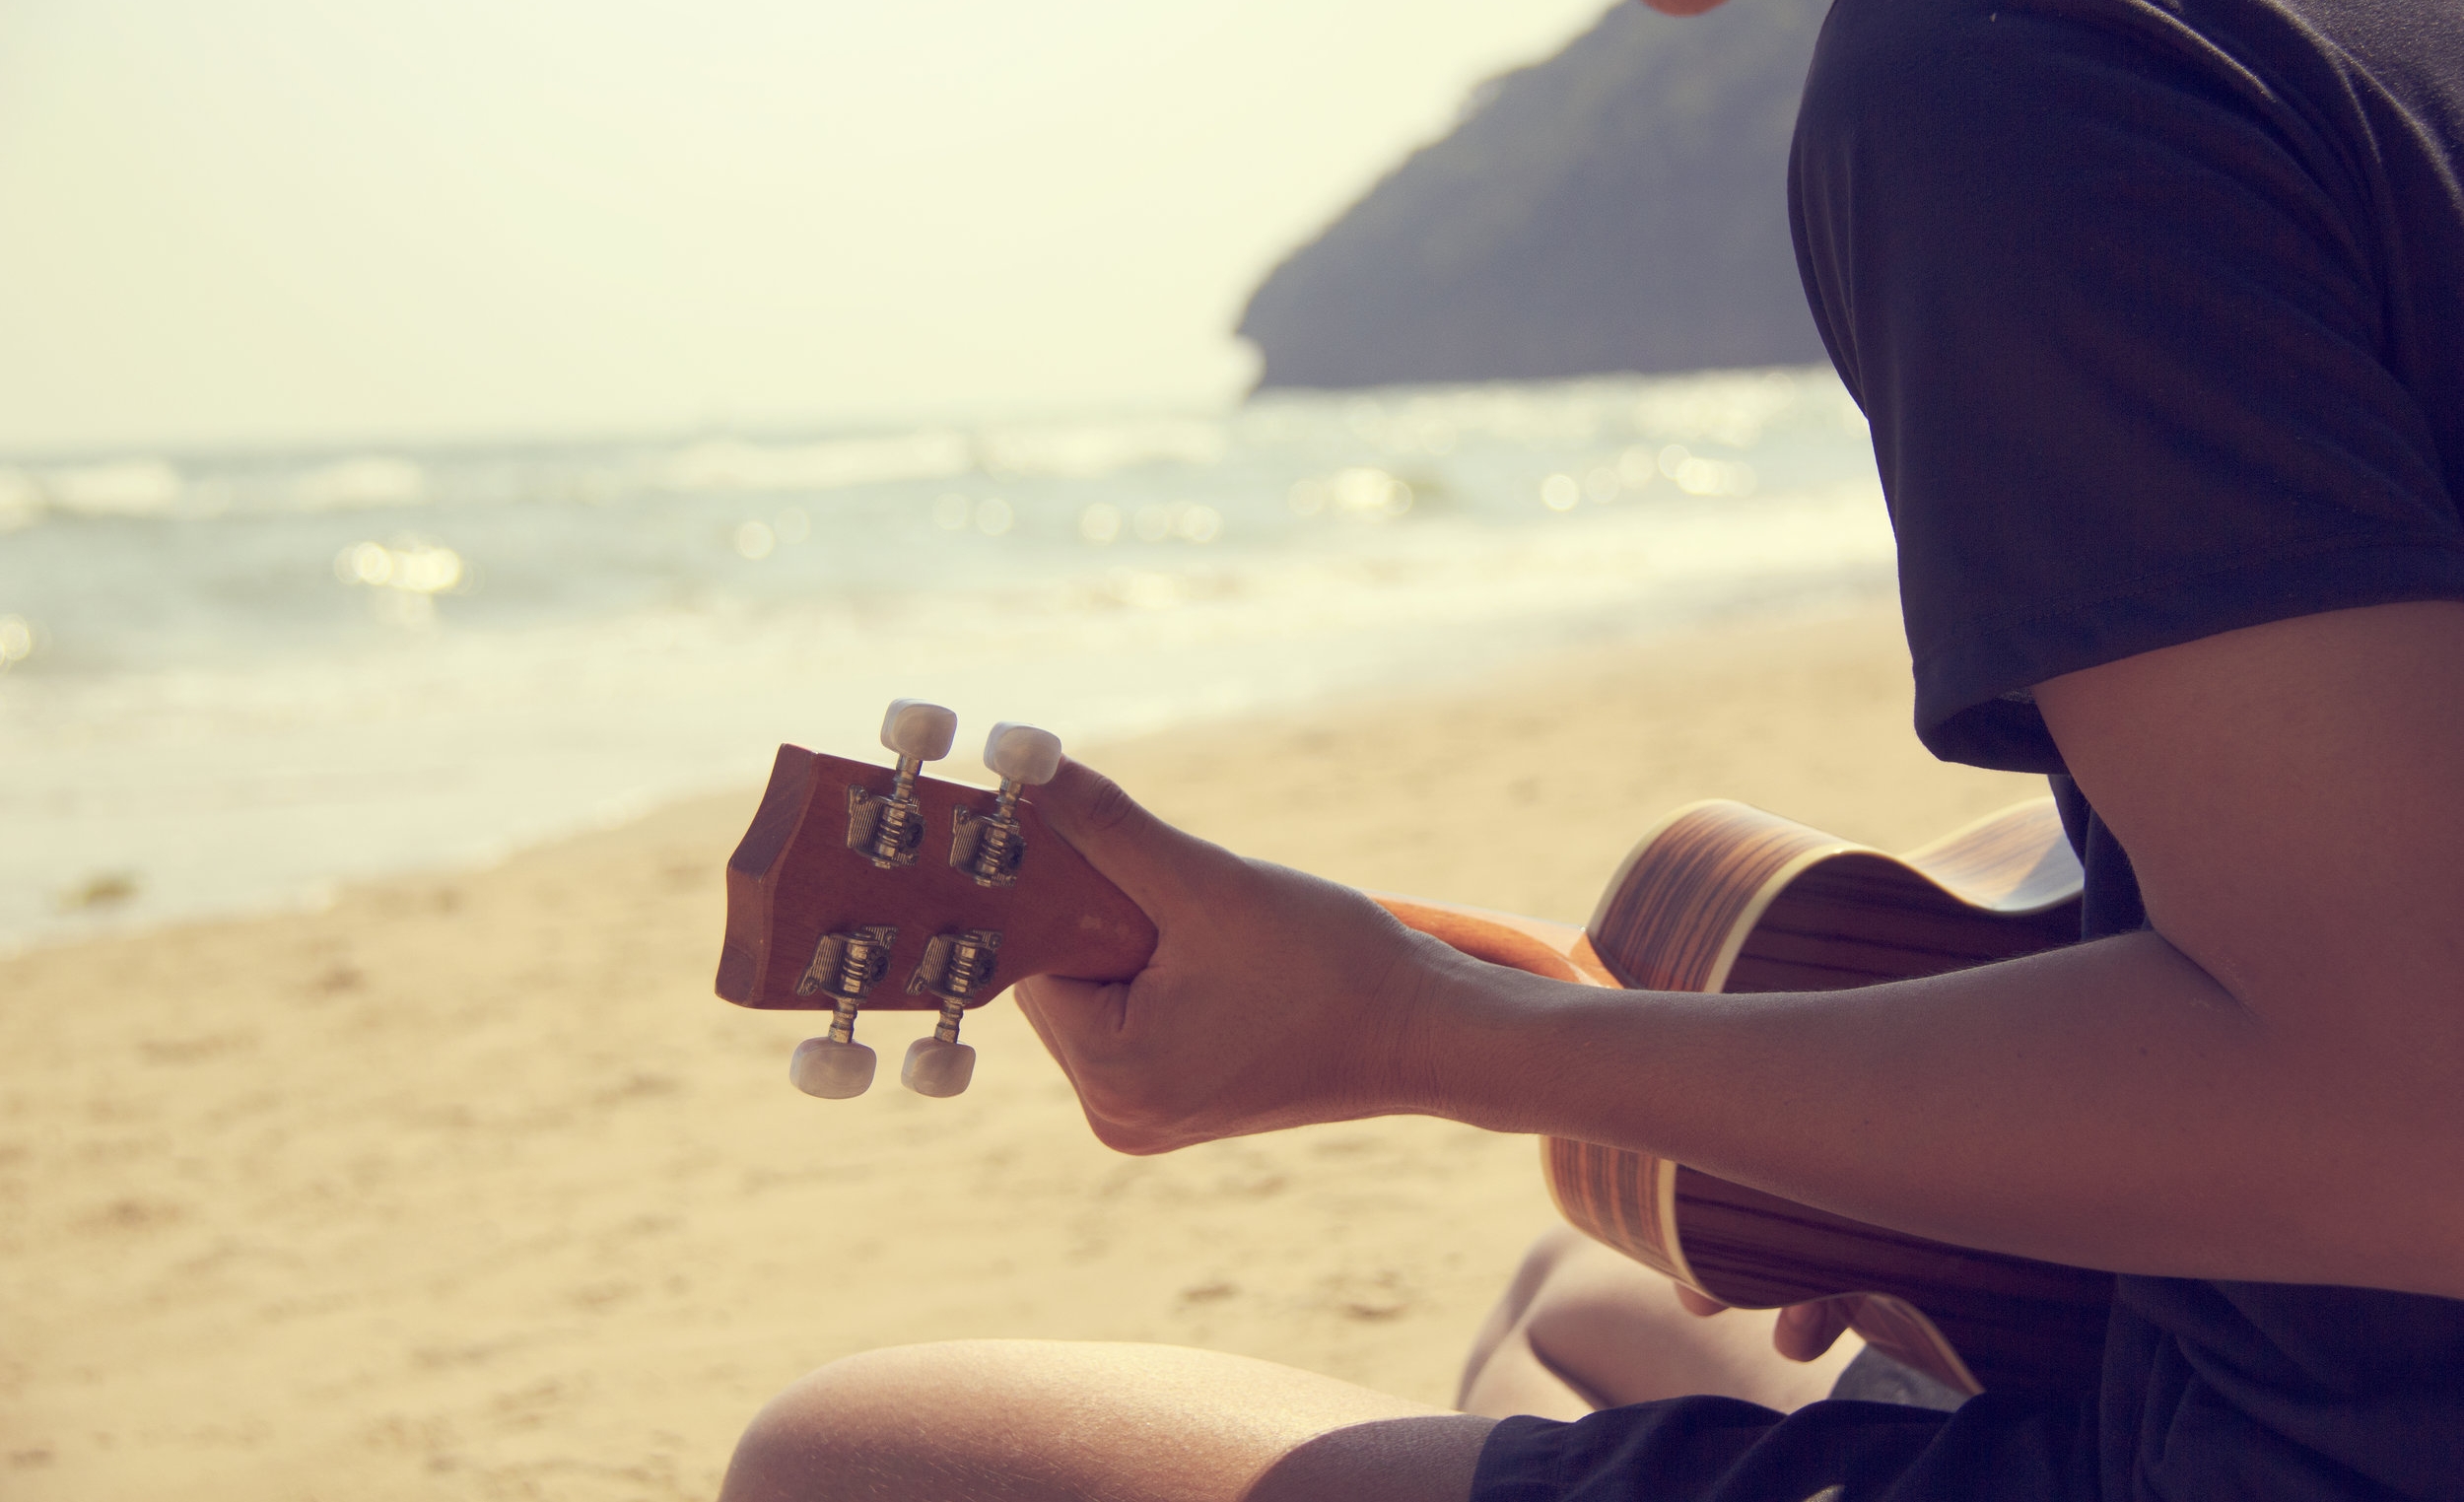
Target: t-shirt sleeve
(2115,312)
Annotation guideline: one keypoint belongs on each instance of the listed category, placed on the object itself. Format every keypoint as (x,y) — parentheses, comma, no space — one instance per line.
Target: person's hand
(1273,999)
(1804,1332)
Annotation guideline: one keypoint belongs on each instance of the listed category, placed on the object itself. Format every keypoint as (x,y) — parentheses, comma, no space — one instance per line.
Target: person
(2156,310)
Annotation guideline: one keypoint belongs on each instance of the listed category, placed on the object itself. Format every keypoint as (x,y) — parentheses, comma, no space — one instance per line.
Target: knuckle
(1133,1120)
(1134,1139)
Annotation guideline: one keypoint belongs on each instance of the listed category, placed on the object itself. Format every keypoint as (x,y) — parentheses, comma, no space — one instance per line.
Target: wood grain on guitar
(854,875)
(861,887)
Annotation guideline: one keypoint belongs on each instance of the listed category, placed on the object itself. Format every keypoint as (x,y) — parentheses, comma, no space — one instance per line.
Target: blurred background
(426,430)
(444,447)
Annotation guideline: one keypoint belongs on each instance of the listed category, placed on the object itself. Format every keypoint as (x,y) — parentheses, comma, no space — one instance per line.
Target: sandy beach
(468,1188)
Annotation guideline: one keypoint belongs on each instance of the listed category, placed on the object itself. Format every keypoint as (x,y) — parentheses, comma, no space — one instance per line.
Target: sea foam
(234,682)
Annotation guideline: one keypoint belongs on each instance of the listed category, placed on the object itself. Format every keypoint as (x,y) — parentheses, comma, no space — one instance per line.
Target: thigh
(1030,1420)
(1583,1327)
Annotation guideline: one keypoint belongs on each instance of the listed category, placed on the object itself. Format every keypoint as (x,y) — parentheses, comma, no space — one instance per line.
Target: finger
(1696,1303)
(1806,1331)
(1028,993)
(1059,1008)
(1137,851)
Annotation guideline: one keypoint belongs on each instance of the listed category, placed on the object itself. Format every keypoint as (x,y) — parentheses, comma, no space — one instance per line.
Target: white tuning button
(919,732)
(989,848)
(937,1067)
(889,828)
(1023,754)
(829,1068)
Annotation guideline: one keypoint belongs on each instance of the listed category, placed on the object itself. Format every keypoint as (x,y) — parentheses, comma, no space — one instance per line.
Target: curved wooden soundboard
(1726,898)
(1720,897)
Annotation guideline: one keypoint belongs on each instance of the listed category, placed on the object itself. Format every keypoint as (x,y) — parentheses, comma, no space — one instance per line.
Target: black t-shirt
(2158,312)
(2157,308)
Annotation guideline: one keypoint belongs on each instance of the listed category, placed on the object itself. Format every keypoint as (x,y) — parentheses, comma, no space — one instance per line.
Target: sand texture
(467,1188)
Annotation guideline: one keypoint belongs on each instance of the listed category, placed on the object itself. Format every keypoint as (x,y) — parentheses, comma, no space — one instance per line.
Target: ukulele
(865,888)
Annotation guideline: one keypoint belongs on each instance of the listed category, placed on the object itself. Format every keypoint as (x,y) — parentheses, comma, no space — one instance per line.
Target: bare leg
(1583,1328)
(1032,1420)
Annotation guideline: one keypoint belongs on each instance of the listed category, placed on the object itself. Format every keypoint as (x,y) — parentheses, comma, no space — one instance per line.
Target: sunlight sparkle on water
(1100,522)
(1361,491)
(406,578)
(654,614)
(1698,476)
(17,640)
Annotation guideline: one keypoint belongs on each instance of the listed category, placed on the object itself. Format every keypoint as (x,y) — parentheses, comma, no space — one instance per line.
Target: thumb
(1140,853)
(1060,1010)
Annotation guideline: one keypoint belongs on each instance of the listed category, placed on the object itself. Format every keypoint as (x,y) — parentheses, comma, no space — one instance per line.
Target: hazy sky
(319,220)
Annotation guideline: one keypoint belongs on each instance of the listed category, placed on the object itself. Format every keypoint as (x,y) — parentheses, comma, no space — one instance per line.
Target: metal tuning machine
(958,969)
(845,967)
(986,847)
(888,829)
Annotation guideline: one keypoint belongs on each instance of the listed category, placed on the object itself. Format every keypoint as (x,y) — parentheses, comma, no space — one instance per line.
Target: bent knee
(839,1426)
(1547,1254)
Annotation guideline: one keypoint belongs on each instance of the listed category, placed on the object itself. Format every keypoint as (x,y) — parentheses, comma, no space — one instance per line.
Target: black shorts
(1842,1450)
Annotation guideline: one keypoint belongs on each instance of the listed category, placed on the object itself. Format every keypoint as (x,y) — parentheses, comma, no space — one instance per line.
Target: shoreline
(130,904)
(466,1187)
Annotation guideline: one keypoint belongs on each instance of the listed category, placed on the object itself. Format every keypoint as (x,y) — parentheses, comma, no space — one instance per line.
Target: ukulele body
(1726,898)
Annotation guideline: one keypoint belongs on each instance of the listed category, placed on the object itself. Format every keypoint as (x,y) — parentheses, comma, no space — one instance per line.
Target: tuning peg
(1023,756)
(938,1066)
(989,845)
(917,731)
(888,829)
(834,1068)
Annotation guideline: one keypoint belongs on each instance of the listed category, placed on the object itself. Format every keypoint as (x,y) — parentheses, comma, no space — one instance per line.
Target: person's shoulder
(2411,51)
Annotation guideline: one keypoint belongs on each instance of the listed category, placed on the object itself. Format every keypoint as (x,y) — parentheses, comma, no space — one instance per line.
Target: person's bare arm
(2269,1084)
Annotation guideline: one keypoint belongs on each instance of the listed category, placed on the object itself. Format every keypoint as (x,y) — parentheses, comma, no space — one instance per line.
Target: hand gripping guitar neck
(872,889)
(861,887)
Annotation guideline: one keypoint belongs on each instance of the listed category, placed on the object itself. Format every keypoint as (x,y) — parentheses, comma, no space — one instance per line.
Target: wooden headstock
(795,881)
(861,887)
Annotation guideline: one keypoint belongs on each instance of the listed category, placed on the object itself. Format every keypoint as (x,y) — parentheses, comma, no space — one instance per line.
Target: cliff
(1619,207)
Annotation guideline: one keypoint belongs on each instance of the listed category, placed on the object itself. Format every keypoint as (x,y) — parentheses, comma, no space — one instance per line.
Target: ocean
(232,682)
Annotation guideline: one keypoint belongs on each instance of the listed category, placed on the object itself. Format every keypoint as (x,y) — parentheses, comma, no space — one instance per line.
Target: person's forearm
(2107,1105)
